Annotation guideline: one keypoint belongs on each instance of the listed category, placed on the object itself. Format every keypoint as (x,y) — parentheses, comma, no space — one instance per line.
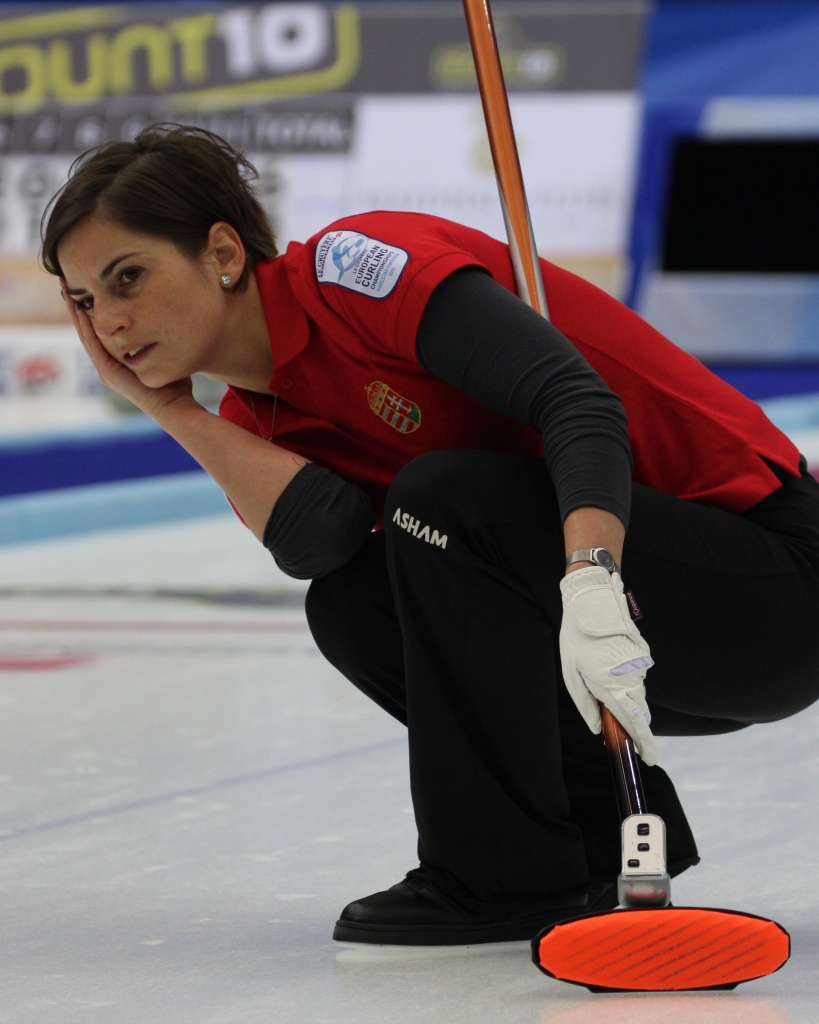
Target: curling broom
(648,945)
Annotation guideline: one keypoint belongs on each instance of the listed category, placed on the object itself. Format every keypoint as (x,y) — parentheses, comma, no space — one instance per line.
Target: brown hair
(171,181)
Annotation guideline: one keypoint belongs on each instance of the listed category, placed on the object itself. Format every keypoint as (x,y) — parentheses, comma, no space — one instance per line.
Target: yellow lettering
(63,84)
(29,60)
(75,19)
(192,35)
(171,58)
(156,45)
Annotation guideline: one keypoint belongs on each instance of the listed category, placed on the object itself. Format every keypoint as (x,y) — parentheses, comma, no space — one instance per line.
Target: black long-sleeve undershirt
(479,337)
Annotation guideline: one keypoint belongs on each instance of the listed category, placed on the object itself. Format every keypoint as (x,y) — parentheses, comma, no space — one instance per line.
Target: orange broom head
(661,949)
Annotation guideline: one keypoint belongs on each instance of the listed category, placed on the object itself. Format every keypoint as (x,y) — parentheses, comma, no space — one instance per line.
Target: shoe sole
(401,935)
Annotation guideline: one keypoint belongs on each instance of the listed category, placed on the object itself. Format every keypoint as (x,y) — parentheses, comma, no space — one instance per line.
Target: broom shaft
(623,760)
(505,154)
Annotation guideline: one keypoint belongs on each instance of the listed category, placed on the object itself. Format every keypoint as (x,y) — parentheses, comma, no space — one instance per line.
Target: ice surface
(190,794)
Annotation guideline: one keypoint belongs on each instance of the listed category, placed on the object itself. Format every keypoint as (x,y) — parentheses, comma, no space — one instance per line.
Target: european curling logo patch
(359,263)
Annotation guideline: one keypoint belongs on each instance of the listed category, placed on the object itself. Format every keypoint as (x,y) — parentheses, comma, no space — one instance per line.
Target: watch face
(604,559)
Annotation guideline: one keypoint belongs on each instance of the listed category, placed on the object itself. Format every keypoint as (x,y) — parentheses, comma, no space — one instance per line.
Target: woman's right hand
(250,470)
(120,378)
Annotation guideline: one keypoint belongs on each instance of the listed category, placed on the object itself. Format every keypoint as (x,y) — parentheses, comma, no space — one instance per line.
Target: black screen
(743,206)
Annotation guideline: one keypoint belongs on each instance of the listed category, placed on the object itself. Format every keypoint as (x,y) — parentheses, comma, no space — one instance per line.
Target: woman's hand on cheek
(114,374)
(106,366)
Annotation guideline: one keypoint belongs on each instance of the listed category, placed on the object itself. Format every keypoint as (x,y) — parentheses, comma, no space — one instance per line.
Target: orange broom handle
(498,119)
(521,237)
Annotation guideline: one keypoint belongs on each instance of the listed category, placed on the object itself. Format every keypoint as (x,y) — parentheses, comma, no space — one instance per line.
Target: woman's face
(155,310)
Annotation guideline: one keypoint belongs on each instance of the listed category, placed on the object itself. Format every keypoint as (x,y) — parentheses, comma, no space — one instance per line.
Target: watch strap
(597,556)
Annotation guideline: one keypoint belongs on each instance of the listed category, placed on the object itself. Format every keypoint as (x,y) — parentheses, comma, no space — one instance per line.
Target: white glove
(604,656)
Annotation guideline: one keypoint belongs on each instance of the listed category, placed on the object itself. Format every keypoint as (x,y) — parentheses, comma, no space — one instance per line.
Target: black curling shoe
(415,912)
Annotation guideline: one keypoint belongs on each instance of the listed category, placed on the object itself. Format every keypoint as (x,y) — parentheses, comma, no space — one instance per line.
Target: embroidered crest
(399,412)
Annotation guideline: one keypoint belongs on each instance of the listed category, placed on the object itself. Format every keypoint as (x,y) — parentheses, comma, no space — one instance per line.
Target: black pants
(458,638)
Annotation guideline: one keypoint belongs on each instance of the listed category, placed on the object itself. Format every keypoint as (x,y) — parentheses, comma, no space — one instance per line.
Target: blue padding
(110,506)
(76,459)
(767,380)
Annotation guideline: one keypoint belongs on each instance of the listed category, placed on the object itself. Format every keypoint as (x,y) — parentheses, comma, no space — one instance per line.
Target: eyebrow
(105,272)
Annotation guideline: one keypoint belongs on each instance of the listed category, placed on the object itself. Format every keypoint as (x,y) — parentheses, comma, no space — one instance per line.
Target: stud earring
(226,279)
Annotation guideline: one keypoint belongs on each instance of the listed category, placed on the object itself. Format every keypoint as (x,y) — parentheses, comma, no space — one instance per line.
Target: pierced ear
(225,248)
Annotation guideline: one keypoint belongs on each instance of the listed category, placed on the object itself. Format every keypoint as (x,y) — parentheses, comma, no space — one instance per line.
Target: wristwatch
(599,556)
